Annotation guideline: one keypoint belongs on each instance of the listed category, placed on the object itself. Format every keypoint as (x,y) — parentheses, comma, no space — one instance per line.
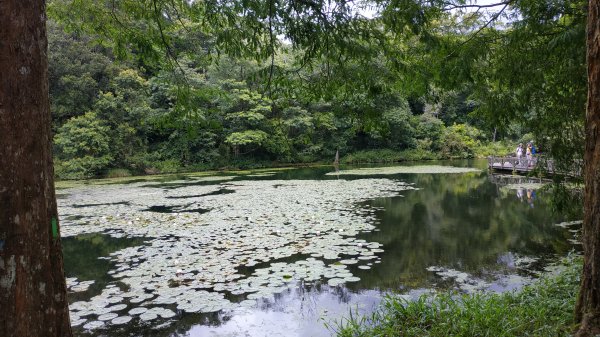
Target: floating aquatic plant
(464,281)
(418,169)
(191,260)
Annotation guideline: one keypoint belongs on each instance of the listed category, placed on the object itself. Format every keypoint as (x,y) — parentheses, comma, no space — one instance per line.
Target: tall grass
(542,309)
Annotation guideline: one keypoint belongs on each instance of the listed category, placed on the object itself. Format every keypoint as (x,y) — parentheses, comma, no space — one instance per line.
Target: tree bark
(587,310)
(33,297)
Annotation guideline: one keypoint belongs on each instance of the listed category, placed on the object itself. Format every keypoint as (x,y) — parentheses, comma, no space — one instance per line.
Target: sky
(369,13)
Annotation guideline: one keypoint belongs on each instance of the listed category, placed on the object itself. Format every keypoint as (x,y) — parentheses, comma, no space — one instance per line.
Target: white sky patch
(492,13)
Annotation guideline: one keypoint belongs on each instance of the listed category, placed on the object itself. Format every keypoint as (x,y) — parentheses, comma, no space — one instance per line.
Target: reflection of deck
(525,166)
(505,179)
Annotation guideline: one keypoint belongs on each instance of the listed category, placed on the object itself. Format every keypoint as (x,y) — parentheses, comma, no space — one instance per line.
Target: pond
(292,252)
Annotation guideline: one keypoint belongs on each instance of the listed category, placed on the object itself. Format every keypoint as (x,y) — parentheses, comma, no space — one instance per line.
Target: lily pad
(335,282)
(78,322)
(137,311)
(93,325)
(107,317)
(148,316)
(417,169)
(121,320)
(189,251)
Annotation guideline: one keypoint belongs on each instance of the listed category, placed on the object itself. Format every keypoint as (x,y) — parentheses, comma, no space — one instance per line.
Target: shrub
(82,148)
(81,168)
(118,173)
(167,166)
(460,141)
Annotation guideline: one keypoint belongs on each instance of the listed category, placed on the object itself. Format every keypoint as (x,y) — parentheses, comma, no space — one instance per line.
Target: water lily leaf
(137,311)
(107,317)
(148,316)
(121,320)
(417,169)
(335,282)
(78,322)
(187,250)
(93,325)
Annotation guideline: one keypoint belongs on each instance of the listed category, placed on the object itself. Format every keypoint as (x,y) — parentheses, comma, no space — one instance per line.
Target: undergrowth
(542,309)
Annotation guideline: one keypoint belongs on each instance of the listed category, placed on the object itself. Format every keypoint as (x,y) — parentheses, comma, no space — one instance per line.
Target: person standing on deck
(519,152)
(529,154)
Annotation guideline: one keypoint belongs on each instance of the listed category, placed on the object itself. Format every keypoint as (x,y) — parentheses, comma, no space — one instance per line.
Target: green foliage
(426,88)
(118,173)
(503,148)
(77,73)
(82,147)
(81,167)
(387,156)
(167,166)
(397,127)
(542,309)
(248,137)
(460,141)
(534,74)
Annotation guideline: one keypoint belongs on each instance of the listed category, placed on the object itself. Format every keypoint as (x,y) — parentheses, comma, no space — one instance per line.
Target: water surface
(451,226)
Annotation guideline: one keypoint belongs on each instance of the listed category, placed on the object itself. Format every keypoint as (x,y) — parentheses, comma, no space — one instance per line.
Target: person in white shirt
(519,152)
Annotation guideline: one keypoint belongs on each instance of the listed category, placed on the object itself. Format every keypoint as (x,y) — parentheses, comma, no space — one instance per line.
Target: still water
(455,231)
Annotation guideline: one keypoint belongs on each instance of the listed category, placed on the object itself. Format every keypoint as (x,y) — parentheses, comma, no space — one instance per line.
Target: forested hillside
(111,115)
(118,110)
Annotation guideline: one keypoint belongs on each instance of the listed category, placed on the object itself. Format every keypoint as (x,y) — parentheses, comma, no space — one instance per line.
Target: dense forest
(122,110)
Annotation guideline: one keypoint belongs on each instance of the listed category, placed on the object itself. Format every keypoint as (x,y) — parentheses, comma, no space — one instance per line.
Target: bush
(118,173)
(82,148)
(428,130)
(495,149)
(460,141)
(544,308)
(81,168)
(166,166)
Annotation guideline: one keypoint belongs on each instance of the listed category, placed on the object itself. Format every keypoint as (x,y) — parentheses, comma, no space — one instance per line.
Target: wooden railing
(524,165)
(507,163)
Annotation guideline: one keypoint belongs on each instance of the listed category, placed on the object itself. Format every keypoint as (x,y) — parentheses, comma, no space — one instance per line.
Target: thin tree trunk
(33,298)
(587,309)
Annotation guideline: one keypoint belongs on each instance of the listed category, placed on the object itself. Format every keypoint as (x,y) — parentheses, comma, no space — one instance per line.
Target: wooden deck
(513,164)
(525,166)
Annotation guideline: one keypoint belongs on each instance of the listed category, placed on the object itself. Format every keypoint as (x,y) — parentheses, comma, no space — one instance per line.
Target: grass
(542,309)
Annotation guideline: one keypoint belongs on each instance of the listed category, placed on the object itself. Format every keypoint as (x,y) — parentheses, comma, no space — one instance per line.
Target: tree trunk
(33,297)
(587,310)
